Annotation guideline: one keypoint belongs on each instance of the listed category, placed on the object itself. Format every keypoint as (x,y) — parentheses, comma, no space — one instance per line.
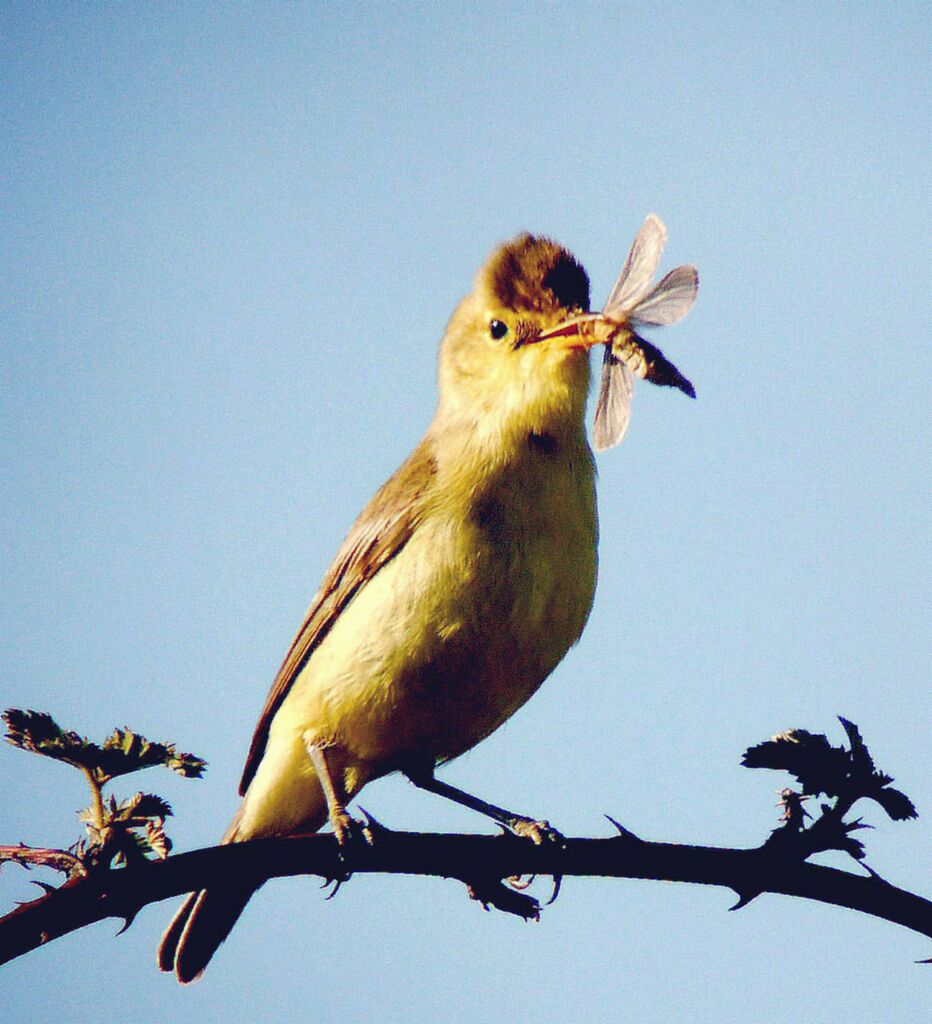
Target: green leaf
(862,764)
(130,847)
(896,804)
(39,733)
(87,815)
(142,806)
(853,847)
(158,841)
(188,765)
(819,767)
(122,752)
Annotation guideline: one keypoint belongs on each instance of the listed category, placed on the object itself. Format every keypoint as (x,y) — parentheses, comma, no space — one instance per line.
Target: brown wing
(380,532)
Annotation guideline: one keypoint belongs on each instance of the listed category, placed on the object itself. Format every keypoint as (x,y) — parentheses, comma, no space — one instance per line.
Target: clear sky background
(232,236)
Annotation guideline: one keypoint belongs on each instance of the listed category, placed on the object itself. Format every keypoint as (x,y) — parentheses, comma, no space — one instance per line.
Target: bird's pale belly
(436,653)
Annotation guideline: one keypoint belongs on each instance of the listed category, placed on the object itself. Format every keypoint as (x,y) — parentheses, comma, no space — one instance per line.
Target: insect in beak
(635,301)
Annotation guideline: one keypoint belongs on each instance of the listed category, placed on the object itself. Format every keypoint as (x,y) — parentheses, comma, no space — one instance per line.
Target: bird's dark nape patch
(535,274)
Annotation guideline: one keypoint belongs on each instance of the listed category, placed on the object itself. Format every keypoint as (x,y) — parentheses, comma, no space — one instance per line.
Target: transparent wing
(670,301)
(636,275)
(613,409)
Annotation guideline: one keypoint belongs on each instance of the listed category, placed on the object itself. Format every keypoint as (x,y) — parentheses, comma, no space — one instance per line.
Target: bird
(458,590)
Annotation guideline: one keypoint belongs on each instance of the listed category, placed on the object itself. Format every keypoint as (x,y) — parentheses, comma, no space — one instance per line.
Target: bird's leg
(538,832)
(345,828)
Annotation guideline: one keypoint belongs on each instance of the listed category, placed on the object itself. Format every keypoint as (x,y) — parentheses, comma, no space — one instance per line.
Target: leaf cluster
(129,830)
(844,774)
(117,832)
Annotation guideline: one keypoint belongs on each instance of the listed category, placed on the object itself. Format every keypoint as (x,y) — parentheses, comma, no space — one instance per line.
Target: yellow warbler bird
(458,590)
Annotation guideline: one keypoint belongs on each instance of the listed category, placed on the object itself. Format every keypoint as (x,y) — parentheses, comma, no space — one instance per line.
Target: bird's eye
(498,329)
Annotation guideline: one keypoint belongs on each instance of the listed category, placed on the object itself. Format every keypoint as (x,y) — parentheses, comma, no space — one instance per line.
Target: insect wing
(613,409)
(670,301)
(636,275)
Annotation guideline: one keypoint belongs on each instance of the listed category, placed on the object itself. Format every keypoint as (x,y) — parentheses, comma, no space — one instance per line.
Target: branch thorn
(624,833)
(744,898)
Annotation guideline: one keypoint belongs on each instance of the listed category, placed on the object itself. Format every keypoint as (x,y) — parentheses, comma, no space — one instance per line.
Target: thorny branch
(112,872)
(480,861)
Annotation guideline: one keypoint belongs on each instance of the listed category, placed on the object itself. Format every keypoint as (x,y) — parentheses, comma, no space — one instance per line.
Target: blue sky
(232,238)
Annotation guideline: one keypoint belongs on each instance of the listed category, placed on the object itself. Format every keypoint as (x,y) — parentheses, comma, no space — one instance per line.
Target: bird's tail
(205,919)
(283,799)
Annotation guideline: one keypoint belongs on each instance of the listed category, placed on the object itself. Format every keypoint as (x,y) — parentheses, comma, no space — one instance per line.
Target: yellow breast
(460,629)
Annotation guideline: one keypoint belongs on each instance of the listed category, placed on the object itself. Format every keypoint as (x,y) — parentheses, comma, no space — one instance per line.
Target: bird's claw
(522,882)
(337,883)
(557,885)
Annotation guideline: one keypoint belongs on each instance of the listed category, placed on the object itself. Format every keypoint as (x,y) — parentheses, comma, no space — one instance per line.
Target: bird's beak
(581,332)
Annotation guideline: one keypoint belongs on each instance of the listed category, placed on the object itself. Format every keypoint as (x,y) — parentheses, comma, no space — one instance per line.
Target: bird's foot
(351,835)
(539,832)
(348,831)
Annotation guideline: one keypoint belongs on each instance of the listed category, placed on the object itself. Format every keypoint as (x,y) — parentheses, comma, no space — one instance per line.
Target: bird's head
(498,368)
